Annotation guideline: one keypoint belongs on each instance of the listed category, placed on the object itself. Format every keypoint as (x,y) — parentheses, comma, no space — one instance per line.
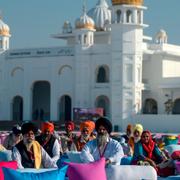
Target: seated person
(103,145)
(129,133)
(29,153)
(86,129)
(146,151)
(13,138)
(137,131)
(48,141)
(68,138)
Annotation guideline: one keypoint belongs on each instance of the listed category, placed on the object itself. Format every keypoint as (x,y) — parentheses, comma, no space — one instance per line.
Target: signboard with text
(82,114)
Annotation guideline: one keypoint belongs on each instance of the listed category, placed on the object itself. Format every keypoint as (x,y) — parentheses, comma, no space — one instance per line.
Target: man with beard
(137,131)
(29,153)
(86,129)
(103,145)
(48,141)
(68,138)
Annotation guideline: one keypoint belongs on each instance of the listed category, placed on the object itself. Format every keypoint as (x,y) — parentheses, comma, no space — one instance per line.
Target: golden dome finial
(129,2)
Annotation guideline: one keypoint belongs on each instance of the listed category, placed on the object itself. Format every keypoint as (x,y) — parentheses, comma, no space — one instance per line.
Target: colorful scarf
(148,147)
(37,154)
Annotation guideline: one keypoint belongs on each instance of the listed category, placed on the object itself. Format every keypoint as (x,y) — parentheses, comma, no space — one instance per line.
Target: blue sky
(33,21)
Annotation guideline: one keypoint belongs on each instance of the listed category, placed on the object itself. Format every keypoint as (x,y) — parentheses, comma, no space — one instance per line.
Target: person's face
(29,137)
(136,133)
(102,130)
(47,133)
(128,132)
(68,128)
(145,138)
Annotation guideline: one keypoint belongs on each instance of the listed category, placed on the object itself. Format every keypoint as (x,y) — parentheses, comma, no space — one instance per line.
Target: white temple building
(107,62)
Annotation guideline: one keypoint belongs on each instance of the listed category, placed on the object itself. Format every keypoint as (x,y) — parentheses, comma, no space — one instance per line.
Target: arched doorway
(103,102)
(65,106)
(41,101)
(17,108)
(150,107)
(176,107)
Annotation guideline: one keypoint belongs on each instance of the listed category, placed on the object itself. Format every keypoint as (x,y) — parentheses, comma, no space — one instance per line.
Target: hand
(108,161)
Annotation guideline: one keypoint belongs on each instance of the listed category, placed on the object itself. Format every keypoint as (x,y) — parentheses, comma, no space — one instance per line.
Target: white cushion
(172,147)
(74,156)
(130,172)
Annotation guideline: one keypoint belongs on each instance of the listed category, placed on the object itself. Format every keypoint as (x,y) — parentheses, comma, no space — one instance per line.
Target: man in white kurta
(103,145)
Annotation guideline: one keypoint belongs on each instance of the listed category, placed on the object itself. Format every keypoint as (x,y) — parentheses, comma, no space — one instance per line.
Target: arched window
(65,106)
(17,108)
(139,17)
(176,107)
(85,39)
(102,74)
(118,14)
(129,16)
(150,107)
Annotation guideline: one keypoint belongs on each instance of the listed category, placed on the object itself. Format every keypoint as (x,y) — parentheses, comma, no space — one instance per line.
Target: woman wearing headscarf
(48,141)
(146,151)
(86,129)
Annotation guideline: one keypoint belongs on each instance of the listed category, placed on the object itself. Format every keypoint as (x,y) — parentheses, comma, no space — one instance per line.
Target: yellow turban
(138,127)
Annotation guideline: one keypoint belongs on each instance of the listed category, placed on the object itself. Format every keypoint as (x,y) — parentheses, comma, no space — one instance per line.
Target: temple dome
(100,14)
(4,29)
(130,2)
(84,22)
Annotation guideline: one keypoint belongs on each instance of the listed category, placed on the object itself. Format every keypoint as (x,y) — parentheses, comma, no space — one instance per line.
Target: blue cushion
(58,174)
(126,160)
(63,158)
(5,155)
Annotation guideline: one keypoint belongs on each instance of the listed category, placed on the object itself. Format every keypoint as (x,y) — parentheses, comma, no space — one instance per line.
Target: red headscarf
(90,125)
(148,147)
(48,126)
(71,124)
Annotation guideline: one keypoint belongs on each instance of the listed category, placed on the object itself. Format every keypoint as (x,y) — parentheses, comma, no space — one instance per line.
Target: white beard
(102,139)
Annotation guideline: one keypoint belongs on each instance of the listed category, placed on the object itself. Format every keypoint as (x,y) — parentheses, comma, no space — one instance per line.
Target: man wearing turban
(103,145)
(137,132)
(29,153)
(68,138)
(86,129)
(48,141)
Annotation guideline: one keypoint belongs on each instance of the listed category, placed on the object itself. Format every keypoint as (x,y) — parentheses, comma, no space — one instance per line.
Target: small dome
(4,29)
(130,2)
(101,14)
(161,36)
(67,28)
(84,21)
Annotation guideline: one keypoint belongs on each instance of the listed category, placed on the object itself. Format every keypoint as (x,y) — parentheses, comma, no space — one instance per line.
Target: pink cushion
(87,171)
(10,164)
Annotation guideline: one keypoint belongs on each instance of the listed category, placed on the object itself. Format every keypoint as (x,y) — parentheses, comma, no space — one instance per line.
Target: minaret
(126,40)
(84,29)
(4,35)
(84,35)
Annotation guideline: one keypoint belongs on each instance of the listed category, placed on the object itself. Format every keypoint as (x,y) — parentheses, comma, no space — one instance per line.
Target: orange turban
(90,125)
(48,126)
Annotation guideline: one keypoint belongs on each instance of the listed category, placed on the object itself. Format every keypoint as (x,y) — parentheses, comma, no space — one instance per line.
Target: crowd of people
(42,148)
